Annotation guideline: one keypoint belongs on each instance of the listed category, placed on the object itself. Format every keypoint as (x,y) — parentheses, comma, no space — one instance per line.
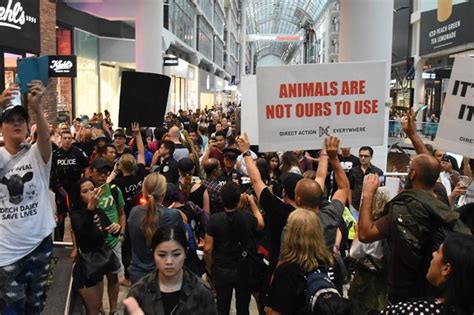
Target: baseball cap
(101,165)
(119,133)
(289,181)
(185,165)
(7,111)
(101,137)
(231,153)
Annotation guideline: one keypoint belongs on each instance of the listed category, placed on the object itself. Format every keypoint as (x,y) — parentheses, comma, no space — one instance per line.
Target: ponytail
(154,188)
(186,185)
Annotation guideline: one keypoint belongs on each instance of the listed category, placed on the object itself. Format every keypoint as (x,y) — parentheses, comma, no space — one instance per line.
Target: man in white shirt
(26,219)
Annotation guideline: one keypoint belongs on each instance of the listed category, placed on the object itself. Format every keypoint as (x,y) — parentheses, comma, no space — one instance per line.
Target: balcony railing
(425,129)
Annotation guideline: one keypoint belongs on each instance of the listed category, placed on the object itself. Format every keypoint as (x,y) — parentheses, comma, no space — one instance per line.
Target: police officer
(68,165)
(167,165)
(229,172)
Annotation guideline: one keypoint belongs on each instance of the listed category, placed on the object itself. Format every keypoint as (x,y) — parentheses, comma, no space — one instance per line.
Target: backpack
(318,282)
(418,223)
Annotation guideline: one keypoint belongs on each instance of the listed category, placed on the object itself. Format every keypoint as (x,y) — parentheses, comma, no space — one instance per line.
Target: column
(148,32)
(366,34)
(252,57)
(243,34)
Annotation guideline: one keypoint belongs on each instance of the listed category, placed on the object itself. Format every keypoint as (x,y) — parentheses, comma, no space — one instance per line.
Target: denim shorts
(23,283)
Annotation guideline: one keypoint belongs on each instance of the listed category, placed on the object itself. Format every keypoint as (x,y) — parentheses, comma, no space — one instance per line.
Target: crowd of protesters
(188,214)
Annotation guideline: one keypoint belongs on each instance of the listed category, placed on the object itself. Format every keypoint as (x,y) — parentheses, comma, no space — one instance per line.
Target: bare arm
(206,154)
(368,232)
(256,213)
(206,203)
(35,93)
(467,171)
(140,145)
(409,127)
(155,158)
(254,174)
(322,170)
(208,246)
(343,191)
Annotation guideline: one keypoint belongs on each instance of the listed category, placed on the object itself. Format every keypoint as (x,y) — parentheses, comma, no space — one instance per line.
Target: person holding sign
(26,217)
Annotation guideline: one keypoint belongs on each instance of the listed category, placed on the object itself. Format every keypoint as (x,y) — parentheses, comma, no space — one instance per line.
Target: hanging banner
(455,131)
(300,105)
(249,100)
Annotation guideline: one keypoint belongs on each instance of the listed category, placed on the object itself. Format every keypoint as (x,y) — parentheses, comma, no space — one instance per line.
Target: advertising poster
(456,125)
(300,105)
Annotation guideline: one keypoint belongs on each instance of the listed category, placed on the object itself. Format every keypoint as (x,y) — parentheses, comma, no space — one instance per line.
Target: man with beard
(414,224)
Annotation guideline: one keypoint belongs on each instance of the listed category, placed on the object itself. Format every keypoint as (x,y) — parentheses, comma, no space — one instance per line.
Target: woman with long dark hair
(143,222)
(289,163)
(171,288)
(451,273)
(90,228)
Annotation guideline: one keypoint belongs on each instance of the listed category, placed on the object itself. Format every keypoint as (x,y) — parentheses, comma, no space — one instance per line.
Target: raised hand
(94,199)
(371,184)
(243,143)
(409,123)
(36,91)
(8,94)
(331,144)
(135,129)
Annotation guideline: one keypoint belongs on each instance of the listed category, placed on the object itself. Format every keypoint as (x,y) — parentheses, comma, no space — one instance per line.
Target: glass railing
(425,129)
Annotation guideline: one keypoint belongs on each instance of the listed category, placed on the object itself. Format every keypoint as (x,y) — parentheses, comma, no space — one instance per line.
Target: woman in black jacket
(90,228)
(172,289)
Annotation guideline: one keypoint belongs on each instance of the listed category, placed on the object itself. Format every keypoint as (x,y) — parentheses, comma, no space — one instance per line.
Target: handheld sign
(300,105)
(143,98)
(455,131)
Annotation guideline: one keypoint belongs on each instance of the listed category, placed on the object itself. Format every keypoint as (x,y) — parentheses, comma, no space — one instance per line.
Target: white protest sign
(249,119)
(300,105)
(455,131)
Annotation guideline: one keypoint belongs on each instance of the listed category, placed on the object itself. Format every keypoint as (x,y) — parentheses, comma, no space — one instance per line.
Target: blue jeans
(23,283)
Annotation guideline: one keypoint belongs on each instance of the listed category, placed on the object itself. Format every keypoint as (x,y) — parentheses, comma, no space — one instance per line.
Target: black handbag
(95,264)
(251,265)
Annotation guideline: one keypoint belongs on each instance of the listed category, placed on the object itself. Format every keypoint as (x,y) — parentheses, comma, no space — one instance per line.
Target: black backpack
(318,282)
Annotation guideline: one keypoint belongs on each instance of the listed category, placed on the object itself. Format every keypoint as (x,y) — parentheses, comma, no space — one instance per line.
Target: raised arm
(256,212)
(254,174)
(322,170)
(368,232)
(140,146)
(35,94)
(343,191)
(409,127)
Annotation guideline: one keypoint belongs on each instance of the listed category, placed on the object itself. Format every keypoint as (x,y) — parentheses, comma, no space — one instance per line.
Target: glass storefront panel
(192,100)
(87,82)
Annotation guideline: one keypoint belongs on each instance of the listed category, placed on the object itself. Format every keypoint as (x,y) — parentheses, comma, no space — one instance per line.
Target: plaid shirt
(214,190)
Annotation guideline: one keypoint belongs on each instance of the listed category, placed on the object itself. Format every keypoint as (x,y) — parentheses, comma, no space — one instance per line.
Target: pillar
(148,33)
(243,34)
(252,57)
(366,34)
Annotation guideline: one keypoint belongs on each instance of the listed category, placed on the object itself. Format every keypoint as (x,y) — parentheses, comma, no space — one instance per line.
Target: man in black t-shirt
(224,232)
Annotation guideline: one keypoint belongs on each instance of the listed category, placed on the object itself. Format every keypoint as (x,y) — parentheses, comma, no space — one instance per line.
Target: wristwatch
(248,153)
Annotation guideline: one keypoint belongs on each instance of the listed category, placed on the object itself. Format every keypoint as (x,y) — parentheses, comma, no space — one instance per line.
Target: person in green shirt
(111,202)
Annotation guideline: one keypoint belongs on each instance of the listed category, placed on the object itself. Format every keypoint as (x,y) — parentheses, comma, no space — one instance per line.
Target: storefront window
(87,82)
(10,67)
(192,101)
(64,86)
